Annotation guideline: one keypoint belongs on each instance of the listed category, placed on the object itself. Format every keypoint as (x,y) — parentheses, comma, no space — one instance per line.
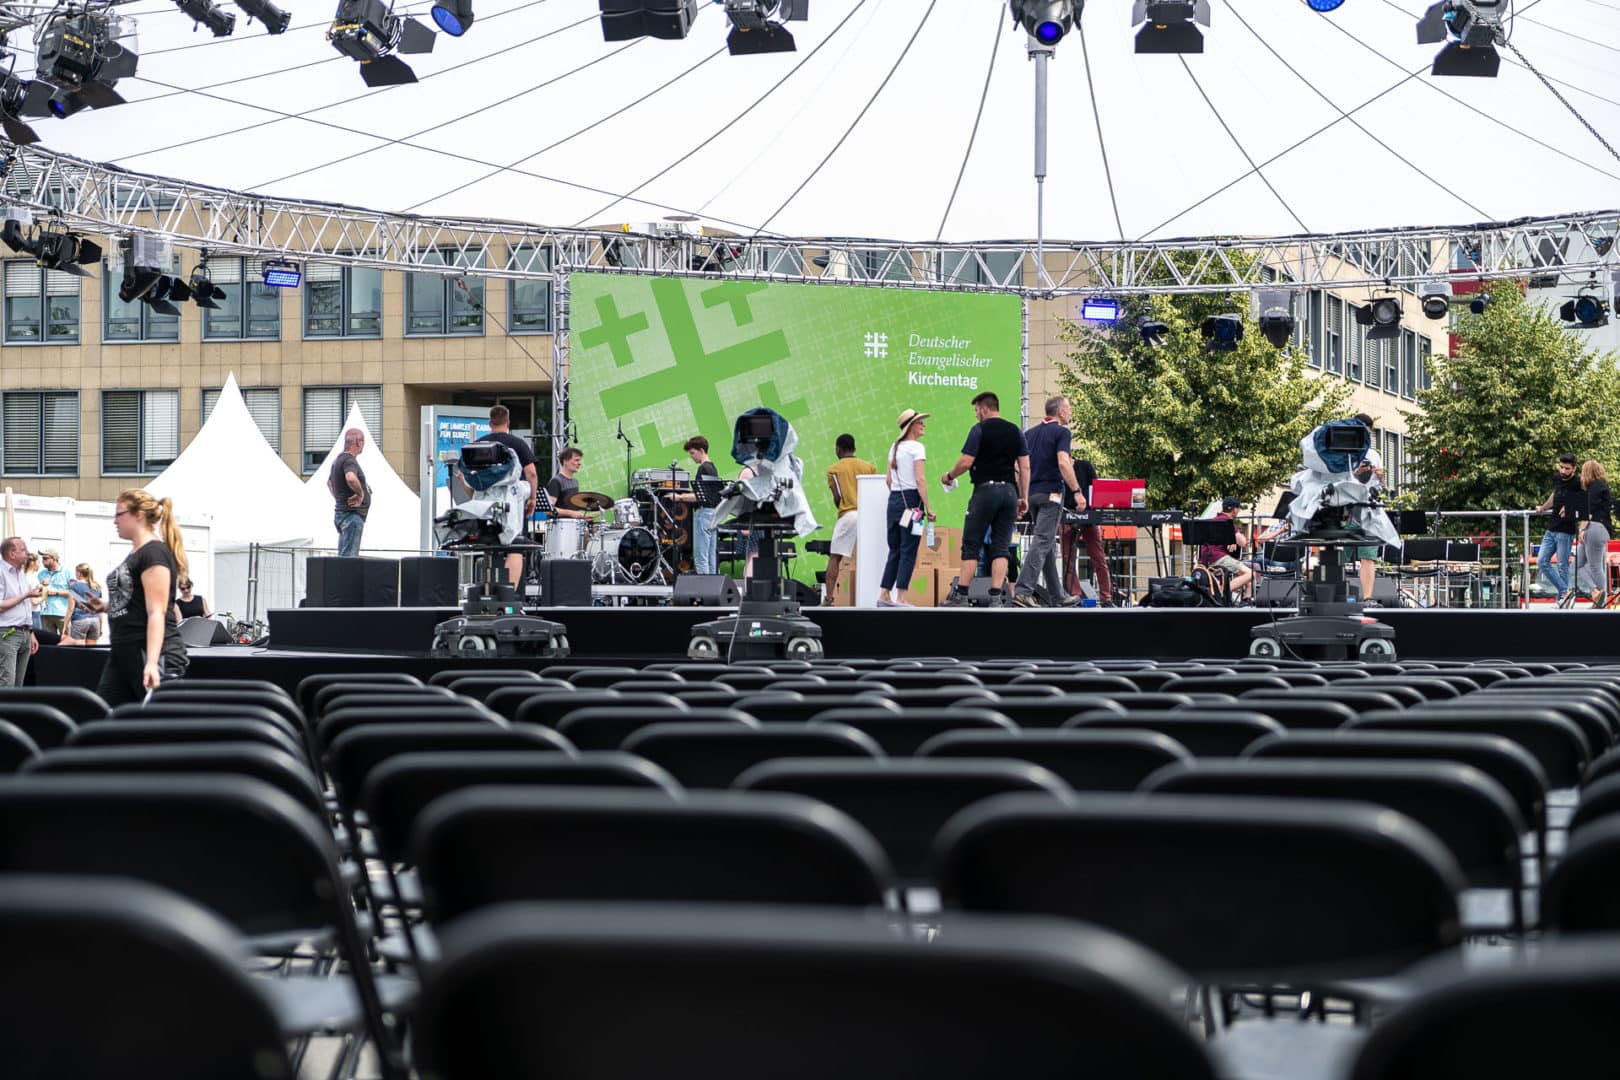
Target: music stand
(708,490)
(1208,532)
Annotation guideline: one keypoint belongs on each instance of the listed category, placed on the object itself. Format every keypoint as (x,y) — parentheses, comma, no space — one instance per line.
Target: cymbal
(590,502)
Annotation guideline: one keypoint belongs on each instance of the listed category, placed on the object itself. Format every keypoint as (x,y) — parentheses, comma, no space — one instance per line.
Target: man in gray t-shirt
(351,497)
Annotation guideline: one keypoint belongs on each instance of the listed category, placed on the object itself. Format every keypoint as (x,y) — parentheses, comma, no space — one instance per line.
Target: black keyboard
(1123,516)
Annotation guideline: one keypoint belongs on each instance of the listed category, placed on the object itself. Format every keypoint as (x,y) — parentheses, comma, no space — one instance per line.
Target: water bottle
(929,536)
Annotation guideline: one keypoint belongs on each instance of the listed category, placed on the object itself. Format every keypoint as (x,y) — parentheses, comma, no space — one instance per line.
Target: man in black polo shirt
(997,457)
(1051,475)
(1566,506)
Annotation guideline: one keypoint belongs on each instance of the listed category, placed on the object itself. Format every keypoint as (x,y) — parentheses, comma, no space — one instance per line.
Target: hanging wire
(973,135)
(1253,168)
(1102,145)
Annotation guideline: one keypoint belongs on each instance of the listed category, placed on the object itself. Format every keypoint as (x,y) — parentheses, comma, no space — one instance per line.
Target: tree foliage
(1520,391)
(1197,424)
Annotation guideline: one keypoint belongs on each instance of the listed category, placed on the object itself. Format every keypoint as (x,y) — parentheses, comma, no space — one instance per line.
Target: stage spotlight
(203,290)
(18,231)
(16,98)
(274,19)
(1276,316)
(1602,245)
(281,274)
(63,105)
(1436,298)
(1586,311)
(1471,30)
(1382,317)
(84,56)
(205,13)
(1099,309)
(1170,27)
(143,260)
(756,25)
(57,248)
(1479,303)
(1046,20)
(454,17)
(1223,332)
(1153,332)
(370,32)
(1324,5)
(626,20)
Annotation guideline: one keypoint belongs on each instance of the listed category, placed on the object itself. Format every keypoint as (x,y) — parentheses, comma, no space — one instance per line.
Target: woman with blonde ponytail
(146,643)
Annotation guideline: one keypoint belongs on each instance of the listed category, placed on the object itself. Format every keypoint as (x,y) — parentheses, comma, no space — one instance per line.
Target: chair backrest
(1232,890)
(1599,800)
(287,774)
(201,694)
(356,752)
(16,748)
(926,697)
(115,978)
(1505,761)
(720,994)
(206,686)
(1553,740)
(1225,684)
(479,687)
(173,732)
(1582,894)
(1085,759)
(1550,1013)
(1204,732)
(171,709)
(80,704)
(1594,715)
(1605,764)
(1148,680)
(1350,695)
(491,845)
(591,677)
(508,674)
(1406,696)
(1466,810)
(337,695)
(47,725)
(902,802)
(1081,682)
(902,733)
(309,685)
(807,707)
(550,706)
(396,791)
(713,756)
(923,679)
(605,727)
(454,711)
(1153,701)
(1051,712)
(1299,714)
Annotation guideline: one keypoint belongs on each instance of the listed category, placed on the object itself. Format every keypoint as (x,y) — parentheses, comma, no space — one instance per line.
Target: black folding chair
(216,686)
(80,705)
(16,747)
(714,755)
(1599,799)
(1556,743)
(337,695)
(507,674)
(1081,683)
(178,732)
(1204,732)
(734,994)
(480,687)
(549,706)
(47,725)
(454,710)
(1086,760)
(901,732)
(198,710)
(1050,713)
(1297,714)
(1225,684)
(605,727)
(282,771)
(1582,894)
(310,685)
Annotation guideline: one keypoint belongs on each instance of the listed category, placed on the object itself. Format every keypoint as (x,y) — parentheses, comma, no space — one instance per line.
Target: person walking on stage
(500,431)
(1051,477)
(705,529)
(1565,503)
(908,494)
(1592,536)
(351,497)
(140,605)
(53,612)
(841,481)
(18,591)
(997,458)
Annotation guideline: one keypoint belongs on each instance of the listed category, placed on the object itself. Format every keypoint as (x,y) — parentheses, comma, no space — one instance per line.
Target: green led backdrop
(676,357)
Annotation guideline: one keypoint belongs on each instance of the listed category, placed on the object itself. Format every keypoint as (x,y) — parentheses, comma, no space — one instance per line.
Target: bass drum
(565,538)
(629,556)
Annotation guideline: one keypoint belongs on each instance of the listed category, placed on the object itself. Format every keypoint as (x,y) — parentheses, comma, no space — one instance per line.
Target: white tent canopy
(230,472)
(394,522)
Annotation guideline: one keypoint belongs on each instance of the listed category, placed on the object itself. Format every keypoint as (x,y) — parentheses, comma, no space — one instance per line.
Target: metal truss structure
(102,199)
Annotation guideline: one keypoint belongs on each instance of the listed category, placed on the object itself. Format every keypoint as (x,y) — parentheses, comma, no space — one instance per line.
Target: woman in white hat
(908,496)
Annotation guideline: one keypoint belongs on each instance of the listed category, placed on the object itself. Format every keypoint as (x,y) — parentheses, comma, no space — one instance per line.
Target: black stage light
(626,20)
(18,235)
(207,13)
(1479,303)
(1223,332)
(454,17)
(1382,317)
(143,258)
(1170,27)
(274,19)
(1436,299)
(84,56)
(370,32)
(756,25)
(16,96)
(1276,316)
(1586,311)
(1153,331)
(1046,20)
(1471,29)
(59,249)
(203,289)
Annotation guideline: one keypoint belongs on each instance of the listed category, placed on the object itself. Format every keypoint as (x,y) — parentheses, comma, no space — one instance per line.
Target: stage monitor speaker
(201,630)
(800,593)
(351,582)
(428,582)
(565,582)
(379,582)
(1271,592)
(706,590)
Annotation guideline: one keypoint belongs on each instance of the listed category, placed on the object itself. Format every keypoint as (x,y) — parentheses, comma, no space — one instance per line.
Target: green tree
(1196,423)
(1520,391)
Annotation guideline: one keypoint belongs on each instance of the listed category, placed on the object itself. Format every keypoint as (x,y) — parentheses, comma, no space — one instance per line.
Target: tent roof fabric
(394,523)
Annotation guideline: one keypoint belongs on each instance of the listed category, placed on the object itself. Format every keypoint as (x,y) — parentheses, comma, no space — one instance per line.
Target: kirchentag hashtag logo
(877,345)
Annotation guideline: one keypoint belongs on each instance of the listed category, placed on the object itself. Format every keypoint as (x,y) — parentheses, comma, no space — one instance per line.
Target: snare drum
(565,538)
(626,513)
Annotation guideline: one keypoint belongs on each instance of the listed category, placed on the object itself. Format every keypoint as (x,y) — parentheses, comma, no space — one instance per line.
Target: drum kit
(647,540)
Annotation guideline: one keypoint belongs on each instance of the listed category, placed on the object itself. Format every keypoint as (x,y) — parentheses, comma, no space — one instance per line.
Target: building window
(263,404)
(439,304)
(528,303)
(1423,349)
(342,301)
(134,321)
(1392,366)
(965,268)
(325,410)
(40,434)
(140,431)
(41,305)
(233,320)
(876,264)
(1355,344)
(1393,466)
(1373,353)
(1333,336)
(781,260)
(1408,364)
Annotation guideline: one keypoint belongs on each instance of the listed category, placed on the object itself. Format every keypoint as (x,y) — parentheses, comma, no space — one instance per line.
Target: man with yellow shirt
(841,482)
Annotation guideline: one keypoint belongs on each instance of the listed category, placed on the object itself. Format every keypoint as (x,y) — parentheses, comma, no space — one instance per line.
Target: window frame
(346,313)
(43,297)
(78,433)
(1332,334)
(344,403)
(249,276)
(145,467)
(204,411)
(447,298)
(512,285)
(146,315)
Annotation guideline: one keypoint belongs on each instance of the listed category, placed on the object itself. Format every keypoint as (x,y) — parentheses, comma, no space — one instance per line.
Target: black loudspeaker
(427,582)
(800,593)
(379,583)
(565,582)
(354,582)
(1276,591)
(199,630)
(706,590)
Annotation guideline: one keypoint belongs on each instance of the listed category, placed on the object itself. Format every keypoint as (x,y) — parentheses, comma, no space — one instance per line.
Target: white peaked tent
(394,523)
(232,473)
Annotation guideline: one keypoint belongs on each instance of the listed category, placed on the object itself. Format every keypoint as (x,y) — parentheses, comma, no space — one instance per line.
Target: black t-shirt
(1599,505)
(995,445)
(1567,496)
(193,608)
(126,597)
(1046,442)
(337,483)
(518,445)
(560,487)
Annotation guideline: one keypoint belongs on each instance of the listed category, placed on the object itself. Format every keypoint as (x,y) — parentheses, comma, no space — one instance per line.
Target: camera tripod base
(500,635)
(1324,637)
(761,630)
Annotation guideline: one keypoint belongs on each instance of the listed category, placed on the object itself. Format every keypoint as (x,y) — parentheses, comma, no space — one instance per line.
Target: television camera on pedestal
(1334,507)
(769,504)
(488,496)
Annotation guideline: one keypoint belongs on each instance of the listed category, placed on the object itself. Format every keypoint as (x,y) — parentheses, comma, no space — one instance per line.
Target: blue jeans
(1555,568)
(902,544)
(705,541)
(349,527)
